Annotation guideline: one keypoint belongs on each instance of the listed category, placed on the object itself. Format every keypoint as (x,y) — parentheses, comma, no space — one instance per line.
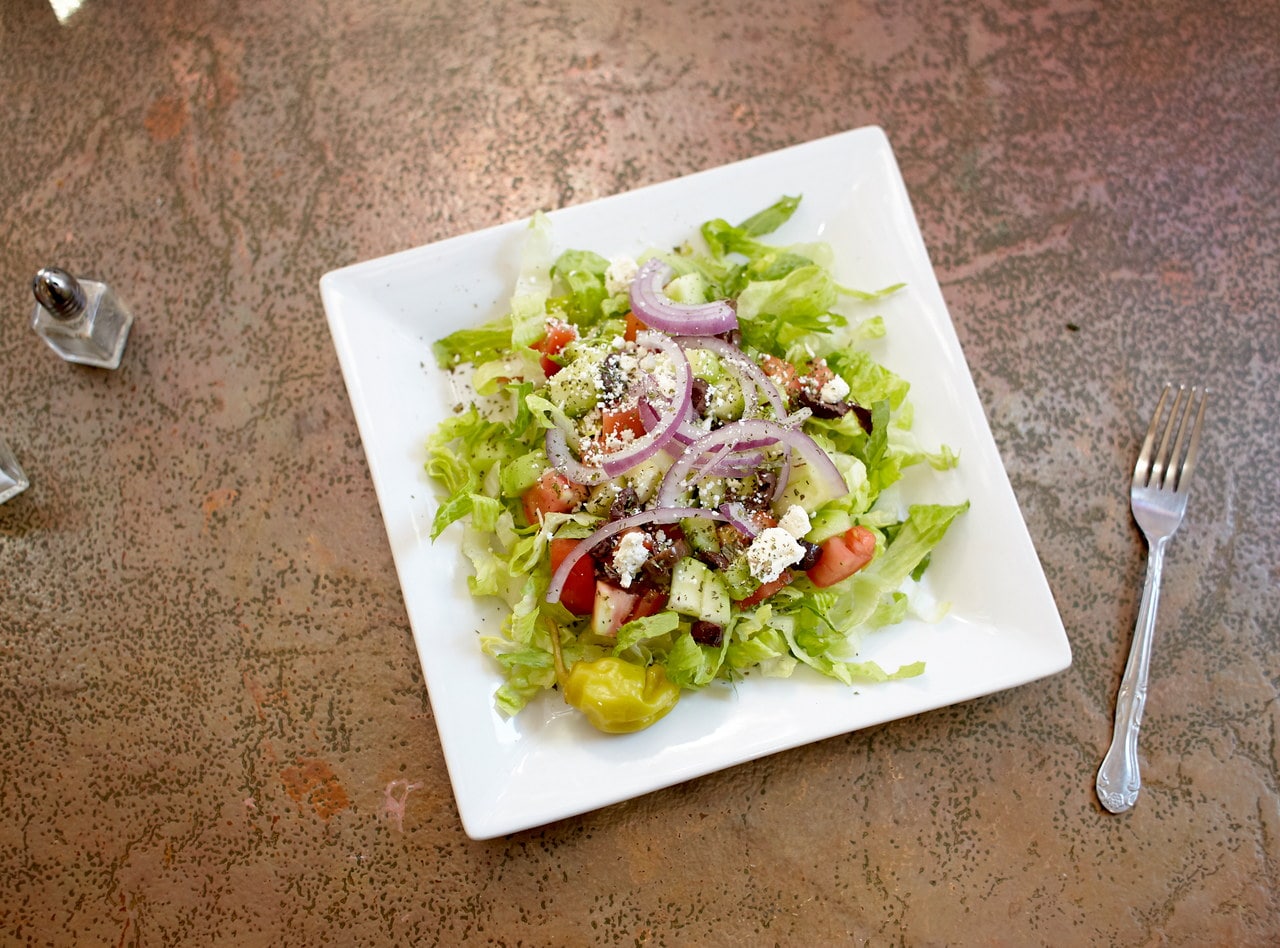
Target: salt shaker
(12,480)
(81,320)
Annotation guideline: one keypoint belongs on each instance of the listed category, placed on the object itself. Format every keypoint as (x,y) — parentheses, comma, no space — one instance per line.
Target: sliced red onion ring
(646,446)
(736,464)
(704,470)
(686,432)
(642,448)
(754,432)
(741,365)
(655,309)
(561,457)
(656,515)
(784,477)
(739,519)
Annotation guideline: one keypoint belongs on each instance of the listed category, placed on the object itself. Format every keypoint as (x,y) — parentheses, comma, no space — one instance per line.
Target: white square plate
(1002,628)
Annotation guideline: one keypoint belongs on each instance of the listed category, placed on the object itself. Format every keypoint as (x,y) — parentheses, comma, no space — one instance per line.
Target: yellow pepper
(619,697)
(616,696)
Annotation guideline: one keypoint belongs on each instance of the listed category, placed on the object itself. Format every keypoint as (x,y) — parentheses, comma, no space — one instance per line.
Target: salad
(678,469)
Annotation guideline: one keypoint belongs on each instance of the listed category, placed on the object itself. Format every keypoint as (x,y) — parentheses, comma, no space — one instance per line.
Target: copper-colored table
(211,711)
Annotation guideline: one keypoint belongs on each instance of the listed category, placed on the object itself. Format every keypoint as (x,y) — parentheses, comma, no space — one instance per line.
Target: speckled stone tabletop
(213,724)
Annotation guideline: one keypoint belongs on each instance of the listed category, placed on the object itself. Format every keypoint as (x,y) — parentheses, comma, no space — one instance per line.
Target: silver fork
(1159,501)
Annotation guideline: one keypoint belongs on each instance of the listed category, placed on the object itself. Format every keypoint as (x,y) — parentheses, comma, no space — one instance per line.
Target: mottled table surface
(213,723)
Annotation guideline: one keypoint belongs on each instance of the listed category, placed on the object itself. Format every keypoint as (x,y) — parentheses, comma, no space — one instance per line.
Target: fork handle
(1118,777)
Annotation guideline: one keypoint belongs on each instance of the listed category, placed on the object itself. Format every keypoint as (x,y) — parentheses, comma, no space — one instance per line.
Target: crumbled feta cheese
(618,277)
(772,551)
(617,440)
(835,390)
(795,521)
(630,555)
(661,371)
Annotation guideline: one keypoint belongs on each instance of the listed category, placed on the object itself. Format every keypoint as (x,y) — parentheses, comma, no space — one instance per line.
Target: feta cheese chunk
(631,554)
(772,551)
(834,391)
(795,521)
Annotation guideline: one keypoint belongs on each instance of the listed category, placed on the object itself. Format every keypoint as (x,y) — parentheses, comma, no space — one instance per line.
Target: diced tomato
(652,601)
(782,372)
(553,493)
(765,590)
(559,334)
(842,556)
(634,325)
(611,608)
(579,593)
(819,374)
(614,424)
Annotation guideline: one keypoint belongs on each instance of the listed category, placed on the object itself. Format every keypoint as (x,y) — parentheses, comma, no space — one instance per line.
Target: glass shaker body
(92,333)
(12,480)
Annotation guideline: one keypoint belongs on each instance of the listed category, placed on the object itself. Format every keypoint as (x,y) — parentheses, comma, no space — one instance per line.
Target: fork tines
(1168,466)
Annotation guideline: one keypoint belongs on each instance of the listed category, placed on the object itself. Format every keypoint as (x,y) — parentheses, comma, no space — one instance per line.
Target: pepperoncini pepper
(616,696)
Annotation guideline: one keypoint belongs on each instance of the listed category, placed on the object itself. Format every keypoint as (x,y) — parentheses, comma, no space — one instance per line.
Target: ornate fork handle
(1118,778)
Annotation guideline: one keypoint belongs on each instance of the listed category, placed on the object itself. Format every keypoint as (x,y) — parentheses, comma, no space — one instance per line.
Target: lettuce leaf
(481,344)
(581,275)
(774,315)
(723,238)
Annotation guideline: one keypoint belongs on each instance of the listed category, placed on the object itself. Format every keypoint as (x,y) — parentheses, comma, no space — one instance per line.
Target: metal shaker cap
(58,292)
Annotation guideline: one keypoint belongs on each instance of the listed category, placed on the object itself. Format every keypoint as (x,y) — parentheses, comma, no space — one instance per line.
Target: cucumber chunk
(698,592)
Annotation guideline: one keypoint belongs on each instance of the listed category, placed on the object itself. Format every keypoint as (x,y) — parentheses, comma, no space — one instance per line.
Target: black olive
(811,554)
(706,633)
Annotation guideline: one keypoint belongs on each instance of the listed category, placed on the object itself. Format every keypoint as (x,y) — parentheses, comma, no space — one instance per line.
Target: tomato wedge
(634,325)
(559,334)
(842,556)
(553,493)
(615,423)
(782,372)
(765,590)
(652,601)
(579,595)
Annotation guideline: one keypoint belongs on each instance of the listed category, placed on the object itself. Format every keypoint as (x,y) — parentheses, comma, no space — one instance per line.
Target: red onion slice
(784,478)
(646,446)
(686,432)
(702,470)
(739,519)
(657,434)
(561,457)
(741,365)
(736,464)
(754,432)
(654,516)
(655,309)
